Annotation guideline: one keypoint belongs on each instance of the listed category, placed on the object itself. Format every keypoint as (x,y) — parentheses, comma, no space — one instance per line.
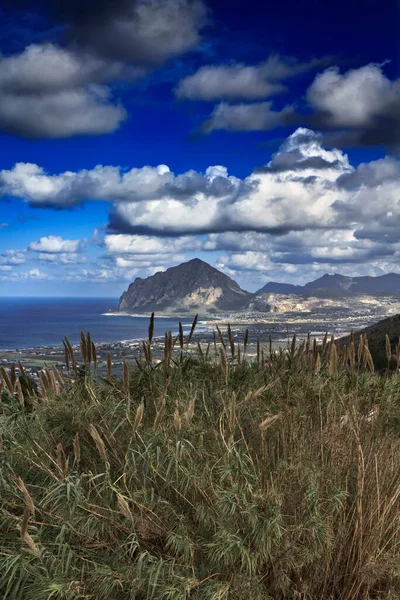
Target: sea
(37,322)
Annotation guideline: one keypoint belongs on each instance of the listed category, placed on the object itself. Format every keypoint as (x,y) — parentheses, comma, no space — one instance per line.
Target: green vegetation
(204,477)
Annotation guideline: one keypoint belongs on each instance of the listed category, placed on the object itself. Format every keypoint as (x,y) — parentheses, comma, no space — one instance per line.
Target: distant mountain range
(197,286)
(191,286)
(338,285)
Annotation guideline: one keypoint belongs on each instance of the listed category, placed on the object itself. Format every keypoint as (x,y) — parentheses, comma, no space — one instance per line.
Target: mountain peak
(192,286)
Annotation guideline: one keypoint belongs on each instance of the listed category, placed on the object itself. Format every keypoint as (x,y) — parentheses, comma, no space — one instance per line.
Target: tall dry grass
(203,477)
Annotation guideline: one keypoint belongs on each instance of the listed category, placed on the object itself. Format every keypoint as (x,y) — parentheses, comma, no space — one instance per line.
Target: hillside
(204,476)
(336,284)
(376,335)
(191,286)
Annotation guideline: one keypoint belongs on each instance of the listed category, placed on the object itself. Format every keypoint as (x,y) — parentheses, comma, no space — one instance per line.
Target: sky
(263,138)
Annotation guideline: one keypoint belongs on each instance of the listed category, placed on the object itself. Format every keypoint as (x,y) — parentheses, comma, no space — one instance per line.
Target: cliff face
(191,286)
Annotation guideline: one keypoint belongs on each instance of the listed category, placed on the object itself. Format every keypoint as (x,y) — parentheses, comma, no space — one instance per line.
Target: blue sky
(137,134)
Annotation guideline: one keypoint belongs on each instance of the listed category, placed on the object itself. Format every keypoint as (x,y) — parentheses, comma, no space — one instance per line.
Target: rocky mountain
(189,287)
(334,285)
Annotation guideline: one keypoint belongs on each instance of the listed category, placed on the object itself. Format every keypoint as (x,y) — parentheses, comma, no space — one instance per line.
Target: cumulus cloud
(363,104)
(238,81)
(31,182)
(47,91)
(55,244)
(258,116)
(12,258)
(307,206)
(146,245)
(145,32)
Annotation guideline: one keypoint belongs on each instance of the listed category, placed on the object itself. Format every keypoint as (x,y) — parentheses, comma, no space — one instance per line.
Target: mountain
(191,286)
(338,285)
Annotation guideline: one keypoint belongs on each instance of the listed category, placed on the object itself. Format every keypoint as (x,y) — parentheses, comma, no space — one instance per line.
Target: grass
(205,477)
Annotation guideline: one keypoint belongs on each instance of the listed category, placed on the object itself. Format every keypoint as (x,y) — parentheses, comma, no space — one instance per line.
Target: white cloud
(48,91)
(354,98)
(148,245)
(54,244)
(247,117)
(308,207)
(238,81)
(146,32)
(12,257)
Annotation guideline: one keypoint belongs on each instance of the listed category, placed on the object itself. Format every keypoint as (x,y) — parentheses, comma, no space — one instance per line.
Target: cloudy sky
(137,134)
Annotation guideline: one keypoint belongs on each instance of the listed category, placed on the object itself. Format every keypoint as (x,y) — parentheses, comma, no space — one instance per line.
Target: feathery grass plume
(177,421)
(25,522)
(109,366)
(181,336)
(245,342)
(360,349)
(344,357)
(66,357)
(308,344)
(317,363)
(231,341)
(269,421)
(151,328)
(147,354)
(262,357)
(258,352)
(388,350)
(352,356)
(101,449)
(126,377)
(293,346)
(224,362)
(315,348)
(333,359)
(139,416)
(215,341)
(192,328)
(21,368)
(21,398)
(232,412)
(124,507)
(13,375)
(239,355)
(159,414)
(368,359)
(61,459)
(270,346)
(77,448)
(83,348)
(94,354)
(71,354)
(34,548)
(167,351)
(89,348)
(221,337)
(189,413)
(200,350)
(58,376)
(324,342)
(7,380)
(207,351)
(28,498)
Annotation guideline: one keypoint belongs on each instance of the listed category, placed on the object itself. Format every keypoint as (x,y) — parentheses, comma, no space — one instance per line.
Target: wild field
(203,476)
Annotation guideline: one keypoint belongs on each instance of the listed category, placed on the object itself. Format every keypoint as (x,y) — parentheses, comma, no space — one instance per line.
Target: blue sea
(32,322)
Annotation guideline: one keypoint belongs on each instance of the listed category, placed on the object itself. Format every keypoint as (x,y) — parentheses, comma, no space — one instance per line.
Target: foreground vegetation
(207,477)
